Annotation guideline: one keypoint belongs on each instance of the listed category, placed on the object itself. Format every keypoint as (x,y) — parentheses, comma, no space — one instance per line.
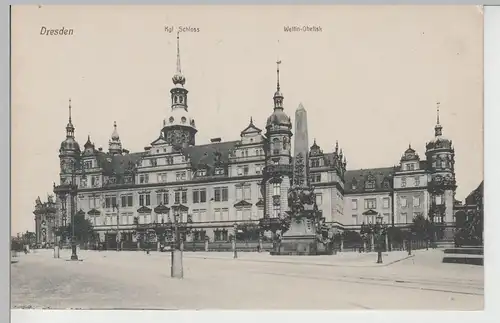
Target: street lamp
(176,269)
(380,230)
(73,194)
(235,231)
(117,208)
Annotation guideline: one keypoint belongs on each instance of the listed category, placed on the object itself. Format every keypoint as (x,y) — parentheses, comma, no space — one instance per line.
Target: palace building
(212,186)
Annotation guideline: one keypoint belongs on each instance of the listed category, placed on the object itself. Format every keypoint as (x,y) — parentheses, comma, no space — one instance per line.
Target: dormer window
(354,186)
(315,163)
(219,171)
(370,185)
(87,164)
(202,172)
(154,162)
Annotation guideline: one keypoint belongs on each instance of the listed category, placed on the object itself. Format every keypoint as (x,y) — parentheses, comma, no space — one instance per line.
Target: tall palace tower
(441,167)
(278,167)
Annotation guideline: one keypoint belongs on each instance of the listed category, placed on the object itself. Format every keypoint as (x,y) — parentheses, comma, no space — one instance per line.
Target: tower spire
(70,129)
(69,107)
(178,77)
(278,62)
(438,129)
(278,96)
(178,56)
(438,112)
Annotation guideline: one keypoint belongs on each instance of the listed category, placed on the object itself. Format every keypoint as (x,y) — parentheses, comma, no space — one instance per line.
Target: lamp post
(176,269)
(73,194)
(380,231)
(235,231)
(117,208)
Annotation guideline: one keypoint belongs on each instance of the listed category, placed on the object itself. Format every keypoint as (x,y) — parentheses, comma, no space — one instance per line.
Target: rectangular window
(220,194)
(315,178)
(148,200)
(162,197)
(225,214)
(245,170)
(354,219)
(196,196)
(276,189)
(417,181)
(404,218)
(354,204)
(319,199)
(240,170)
(247,214)
(370,204)
(127,200)
(217,194)
(184,197)
(107,202)
(386,202)
(276,211)
(203,195)
(416,201)
(258,169)
(177,197)
(239,214)
(259,191)
(94,181)
(180,176)
(386,218)
(247,193)
(144,178)
(403,202)
(239,193)
(260,213)
(217,215)
(162,178)
(403,182)
(439,199)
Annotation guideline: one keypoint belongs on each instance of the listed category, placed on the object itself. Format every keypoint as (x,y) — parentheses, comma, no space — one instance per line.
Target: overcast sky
(370,79)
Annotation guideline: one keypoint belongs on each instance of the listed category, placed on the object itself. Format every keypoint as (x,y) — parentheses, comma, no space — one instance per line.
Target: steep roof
(207,154)
(471,198)
(118,164)
(358,177)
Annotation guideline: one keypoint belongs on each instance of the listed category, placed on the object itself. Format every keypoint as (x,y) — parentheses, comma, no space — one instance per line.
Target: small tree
(84,231)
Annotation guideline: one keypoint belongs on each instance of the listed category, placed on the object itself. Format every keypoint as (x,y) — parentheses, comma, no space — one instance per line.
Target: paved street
(105,280)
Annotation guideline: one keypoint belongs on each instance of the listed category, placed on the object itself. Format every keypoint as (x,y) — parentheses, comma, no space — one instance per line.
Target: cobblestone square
(135,280)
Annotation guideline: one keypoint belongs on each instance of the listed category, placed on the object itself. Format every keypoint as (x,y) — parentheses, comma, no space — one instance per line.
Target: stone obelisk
(301,149)
(301,237)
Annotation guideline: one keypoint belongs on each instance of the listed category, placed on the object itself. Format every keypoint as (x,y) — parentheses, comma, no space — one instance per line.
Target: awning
(143,209)
(370,212)
(161,209)
(180,207)
(94,212)
(242,203)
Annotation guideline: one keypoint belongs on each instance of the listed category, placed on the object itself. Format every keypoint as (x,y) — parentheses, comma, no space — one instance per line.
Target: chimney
(100,148)
(125,151)
(215,139)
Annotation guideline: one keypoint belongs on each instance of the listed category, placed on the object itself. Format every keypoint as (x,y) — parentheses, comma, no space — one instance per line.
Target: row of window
(257,152)
(220,194)
(416,181)
(197,215)
(371,203)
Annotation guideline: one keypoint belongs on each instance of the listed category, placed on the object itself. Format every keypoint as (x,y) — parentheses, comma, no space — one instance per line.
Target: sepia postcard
(247,157)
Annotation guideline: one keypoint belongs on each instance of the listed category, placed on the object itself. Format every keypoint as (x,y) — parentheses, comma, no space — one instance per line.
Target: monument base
(301,240)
